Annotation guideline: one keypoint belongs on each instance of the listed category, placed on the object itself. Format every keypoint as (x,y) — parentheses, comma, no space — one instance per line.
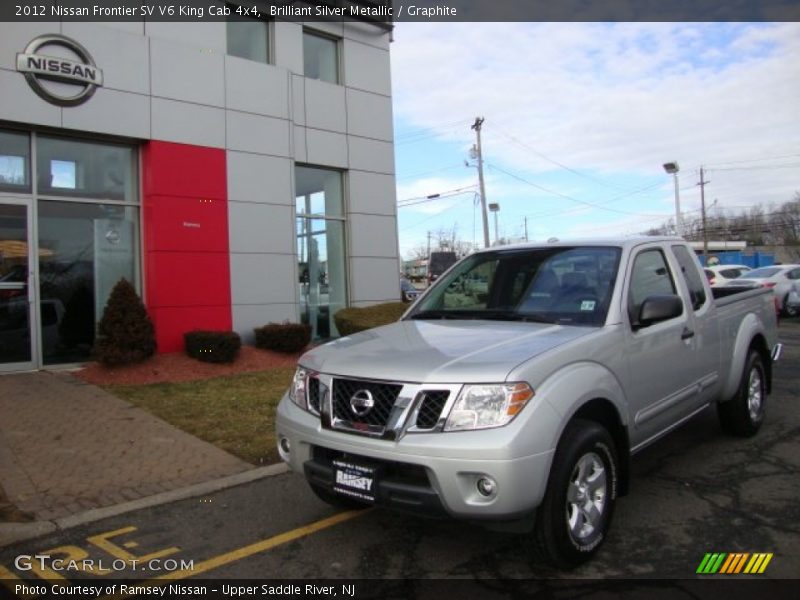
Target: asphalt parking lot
(697,491)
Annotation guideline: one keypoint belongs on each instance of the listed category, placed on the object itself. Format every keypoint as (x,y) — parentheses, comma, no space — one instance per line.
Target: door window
(650,277)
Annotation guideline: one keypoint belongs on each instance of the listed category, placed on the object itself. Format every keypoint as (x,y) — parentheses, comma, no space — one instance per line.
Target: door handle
(687,334)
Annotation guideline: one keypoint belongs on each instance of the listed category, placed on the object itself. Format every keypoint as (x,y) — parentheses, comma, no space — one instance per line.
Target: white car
(781,279)
(719,275)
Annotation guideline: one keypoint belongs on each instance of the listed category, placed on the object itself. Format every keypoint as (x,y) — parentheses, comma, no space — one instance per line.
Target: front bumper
(426,473)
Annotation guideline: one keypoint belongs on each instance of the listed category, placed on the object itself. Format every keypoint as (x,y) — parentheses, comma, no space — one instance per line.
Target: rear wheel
(789,311)
(744,413)
(576,512)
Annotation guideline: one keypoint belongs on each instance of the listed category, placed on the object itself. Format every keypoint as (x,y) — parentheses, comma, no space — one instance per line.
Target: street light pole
(479,156)
(672,168)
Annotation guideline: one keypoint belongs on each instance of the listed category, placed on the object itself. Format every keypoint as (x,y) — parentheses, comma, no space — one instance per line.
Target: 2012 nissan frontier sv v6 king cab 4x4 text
(518,386)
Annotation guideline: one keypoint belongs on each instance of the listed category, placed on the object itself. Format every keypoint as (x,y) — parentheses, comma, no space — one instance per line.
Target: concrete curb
(11,533)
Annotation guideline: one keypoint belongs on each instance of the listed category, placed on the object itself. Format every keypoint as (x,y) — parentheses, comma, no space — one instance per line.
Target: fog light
(285,446)
(487,486)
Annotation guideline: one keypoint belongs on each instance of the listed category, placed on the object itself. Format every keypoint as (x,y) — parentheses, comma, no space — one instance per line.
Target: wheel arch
(603,412)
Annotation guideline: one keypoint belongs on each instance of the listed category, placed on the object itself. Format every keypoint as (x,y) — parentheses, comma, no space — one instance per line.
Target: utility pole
(479,156)
(429,244)
(702,185)
(526,229)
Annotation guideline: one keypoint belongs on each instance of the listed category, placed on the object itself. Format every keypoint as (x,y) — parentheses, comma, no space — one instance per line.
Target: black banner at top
(386,12)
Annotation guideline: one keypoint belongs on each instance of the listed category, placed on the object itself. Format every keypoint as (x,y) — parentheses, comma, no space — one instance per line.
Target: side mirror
(659,308)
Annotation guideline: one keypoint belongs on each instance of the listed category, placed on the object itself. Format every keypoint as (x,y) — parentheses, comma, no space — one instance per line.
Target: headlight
(485,406)
(297,391)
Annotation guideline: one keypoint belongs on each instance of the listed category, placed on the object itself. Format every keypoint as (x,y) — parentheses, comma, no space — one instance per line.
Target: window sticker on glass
(588,305)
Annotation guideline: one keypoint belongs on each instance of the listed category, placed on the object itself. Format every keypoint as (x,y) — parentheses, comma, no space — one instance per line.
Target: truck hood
(439,351)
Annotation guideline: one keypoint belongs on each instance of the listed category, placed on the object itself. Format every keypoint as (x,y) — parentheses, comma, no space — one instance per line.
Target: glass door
(17,331)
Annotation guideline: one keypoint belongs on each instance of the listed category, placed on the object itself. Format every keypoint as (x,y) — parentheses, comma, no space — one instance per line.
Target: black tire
(336,500)
(556,540)
(743,414)
(787,310)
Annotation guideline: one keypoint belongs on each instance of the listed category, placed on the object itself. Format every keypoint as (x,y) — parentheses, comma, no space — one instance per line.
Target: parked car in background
(781,279)
(408,293)
(721,274)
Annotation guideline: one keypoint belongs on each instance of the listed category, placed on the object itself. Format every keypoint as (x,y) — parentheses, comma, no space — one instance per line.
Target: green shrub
(212,346)
(125,334)
(352,320)
(283,337)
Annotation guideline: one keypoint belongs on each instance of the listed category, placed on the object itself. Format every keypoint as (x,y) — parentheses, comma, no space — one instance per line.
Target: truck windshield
(564,285)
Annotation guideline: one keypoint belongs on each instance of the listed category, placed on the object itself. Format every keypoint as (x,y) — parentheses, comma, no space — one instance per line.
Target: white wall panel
(367,68)
(260,228)
(371,155)
(187,123)
(374,279)
(372,193)
(254,133)
(372,235)
(258,178)
(19,103)
(325,106)
(262,278)
(288,46)
(326,149)
(369,115)
(209,35)
(255,87)
(189,73)
(101,114)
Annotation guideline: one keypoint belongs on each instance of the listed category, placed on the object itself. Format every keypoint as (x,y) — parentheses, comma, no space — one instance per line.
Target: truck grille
(430,408)
(383,396)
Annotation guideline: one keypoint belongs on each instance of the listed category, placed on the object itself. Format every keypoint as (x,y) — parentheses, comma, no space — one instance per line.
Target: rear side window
(691,275)
(650,277)
(730,273)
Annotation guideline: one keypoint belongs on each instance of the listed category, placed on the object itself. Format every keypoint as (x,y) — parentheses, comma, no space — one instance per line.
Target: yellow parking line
(251,549)
(255,548)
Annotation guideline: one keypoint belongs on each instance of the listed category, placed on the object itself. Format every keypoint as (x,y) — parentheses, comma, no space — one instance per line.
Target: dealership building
(237,173)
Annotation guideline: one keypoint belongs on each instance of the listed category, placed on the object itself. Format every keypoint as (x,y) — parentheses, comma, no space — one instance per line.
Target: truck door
(662,382)
(704,324)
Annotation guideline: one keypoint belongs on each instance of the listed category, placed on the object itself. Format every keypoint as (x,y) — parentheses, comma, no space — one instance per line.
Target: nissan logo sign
(38,67)
(361,403)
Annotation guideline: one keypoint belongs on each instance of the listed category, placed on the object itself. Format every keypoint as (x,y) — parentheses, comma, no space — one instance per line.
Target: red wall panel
(186,224)
(182,170)
(185,233)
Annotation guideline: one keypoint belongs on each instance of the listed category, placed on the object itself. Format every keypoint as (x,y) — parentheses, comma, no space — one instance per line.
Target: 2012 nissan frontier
(517,388)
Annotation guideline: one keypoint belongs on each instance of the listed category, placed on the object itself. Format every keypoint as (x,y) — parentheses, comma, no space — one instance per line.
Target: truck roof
(621,242)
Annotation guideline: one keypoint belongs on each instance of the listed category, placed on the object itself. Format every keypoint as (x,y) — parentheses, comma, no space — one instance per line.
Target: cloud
(613,100)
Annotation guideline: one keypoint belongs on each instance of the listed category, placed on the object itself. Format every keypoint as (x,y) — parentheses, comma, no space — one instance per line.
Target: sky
(580,118)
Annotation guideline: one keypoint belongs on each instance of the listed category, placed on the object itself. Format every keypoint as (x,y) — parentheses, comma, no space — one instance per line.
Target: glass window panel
(84,249)
(320,57)
(15,156)
(318,192)
(249,39)
(15,331)
(85,169)
(650,277)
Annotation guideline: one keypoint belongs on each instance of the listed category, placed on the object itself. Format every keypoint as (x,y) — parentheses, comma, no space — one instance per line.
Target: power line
(739,162)
(432,197)
(430,172)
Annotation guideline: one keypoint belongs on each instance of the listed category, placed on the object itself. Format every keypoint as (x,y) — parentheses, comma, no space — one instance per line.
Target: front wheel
(576,512)
(743,414)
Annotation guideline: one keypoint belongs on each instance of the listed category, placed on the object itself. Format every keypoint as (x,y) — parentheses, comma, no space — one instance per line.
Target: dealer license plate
(355,481)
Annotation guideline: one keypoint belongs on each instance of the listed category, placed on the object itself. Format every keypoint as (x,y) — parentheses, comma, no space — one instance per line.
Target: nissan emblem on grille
(361,402)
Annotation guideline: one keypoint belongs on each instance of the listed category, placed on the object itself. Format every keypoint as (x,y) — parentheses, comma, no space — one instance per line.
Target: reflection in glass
(67,167)
(84,250)
(249,39)
(320,248)
(15,331)
(15,154)
(320,57)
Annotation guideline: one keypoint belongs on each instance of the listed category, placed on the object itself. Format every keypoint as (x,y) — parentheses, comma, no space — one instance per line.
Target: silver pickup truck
(515,390)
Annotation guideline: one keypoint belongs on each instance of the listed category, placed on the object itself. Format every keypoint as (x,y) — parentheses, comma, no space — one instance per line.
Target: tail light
(768,284)
(712,281)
